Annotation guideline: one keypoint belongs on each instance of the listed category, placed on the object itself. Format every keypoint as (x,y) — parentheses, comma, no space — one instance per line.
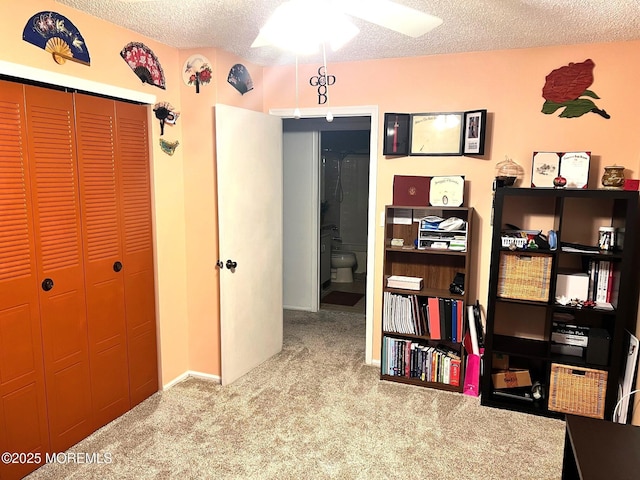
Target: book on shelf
(414,360)
(403,314)
(602,279)
(434,317)
(438,318)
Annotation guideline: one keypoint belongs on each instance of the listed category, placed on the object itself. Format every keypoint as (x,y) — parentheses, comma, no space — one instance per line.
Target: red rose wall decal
(565,86)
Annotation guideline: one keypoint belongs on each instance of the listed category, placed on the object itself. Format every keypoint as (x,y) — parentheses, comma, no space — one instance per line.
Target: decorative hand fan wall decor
(240,79)
(197,71)
(57,35)
(166,114)
(144,63)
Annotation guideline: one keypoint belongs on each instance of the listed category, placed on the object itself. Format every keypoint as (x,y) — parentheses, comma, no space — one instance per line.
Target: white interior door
(249,170)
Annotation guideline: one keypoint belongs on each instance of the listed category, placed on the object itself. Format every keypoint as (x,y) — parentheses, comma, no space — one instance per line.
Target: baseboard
(297,307)
(190,373)
(375,363)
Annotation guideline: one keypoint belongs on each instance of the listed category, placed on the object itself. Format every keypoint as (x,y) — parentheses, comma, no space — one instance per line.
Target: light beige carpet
(316,411)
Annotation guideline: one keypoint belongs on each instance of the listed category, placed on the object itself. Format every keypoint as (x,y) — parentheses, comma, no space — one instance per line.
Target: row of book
(601,280)
(436,317)
(404,358)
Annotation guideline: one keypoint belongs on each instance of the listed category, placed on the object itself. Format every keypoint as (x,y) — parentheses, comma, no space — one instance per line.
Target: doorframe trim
(60,79)
(356,111)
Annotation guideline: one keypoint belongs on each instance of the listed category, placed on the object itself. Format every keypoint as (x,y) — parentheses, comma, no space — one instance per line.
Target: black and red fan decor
(57,35)
(240,79)
(144,63)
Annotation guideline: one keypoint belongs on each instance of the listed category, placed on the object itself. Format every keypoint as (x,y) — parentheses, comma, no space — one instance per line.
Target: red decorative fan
(144,63)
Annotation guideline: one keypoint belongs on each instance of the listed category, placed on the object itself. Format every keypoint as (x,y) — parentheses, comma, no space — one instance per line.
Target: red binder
(411,191)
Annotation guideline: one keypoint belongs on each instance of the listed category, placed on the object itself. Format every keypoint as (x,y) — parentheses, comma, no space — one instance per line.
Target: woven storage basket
(524,277)
(577,390)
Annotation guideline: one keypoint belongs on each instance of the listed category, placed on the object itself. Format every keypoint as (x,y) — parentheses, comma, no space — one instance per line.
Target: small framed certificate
(447,191)
(574,167)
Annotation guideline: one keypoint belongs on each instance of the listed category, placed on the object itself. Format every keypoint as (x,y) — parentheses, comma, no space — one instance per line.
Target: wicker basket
(577,390)
(524,277)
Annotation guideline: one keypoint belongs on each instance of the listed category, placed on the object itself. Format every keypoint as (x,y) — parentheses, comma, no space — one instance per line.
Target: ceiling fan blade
(393,16)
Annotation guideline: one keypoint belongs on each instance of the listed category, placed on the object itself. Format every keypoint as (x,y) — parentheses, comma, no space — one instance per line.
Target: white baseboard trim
(296,307)
(191,373)
(375,363)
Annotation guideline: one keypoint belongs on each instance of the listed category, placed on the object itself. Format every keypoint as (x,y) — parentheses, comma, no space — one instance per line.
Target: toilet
(342,262)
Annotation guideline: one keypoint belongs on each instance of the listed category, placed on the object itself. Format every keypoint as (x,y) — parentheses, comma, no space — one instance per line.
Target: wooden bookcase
(519,331)
(437,267)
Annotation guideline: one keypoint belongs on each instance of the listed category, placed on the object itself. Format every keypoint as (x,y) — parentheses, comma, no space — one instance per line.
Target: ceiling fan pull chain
(326,75)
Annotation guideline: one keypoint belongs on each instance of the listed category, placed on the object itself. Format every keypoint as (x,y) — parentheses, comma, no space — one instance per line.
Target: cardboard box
(631,184)
(500,361)
(575,285)
(511,379)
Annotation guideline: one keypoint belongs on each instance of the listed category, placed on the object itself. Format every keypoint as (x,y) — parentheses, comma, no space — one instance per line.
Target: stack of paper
(408,283)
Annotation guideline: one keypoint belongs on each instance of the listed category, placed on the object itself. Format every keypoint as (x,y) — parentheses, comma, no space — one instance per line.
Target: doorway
(344,199)
(311,268)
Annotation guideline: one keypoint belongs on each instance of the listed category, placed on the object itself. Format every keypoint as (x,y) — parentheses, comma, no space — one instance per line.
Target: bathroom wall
(347,197)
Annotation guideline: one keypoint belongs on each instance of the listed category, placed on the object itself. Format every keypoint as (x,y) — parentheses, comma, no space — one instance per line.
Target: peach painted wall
(104,42)
(509,85)
(201,201)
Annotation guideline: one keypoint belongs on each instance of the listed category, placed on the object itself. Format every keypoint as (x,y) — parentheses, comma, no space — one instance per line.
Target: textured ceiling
(469,25)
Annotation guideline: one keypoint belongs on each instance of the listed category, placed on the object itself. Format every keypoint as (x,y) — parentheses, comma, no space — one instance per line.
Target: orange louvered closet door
(23,414)
(103,260)
(133,169)
(54,182)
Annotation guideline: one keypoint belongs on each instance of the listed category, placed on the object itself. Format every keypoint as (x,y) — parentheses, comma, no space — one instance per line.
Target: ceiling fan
(300,26)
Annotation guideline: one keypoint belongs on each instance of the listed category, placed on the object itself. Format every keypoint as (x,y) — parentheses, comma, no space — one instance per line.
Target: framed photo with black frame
(396,137)
(475,125)
(436,133)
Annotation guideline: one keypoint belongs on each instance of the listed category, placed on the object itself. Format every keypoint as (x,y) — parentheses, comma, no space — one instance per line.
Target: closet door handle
(231,264)
(117,267)
(47,284)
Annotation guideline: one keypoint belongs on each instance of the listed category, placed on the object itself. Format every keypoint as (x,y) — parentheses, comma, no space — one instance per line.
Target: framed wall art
(396,137)
(475,124)
(436,133)
(544,168)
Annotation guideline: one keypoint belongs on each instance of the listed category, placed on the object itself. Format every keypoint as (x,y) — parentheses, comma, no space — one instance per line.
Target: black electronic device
(598,346)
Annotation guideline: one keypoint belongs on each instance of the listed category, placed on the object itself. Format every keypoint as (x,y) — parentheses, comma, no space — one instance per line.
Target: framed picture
(572,167)
(396,137)
(475,124)
(544,168)
(436,133)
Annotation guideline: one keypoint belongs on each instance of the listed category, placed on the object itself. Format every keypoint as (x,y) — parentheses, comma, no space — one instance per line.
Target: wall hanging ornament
(240,79)
(197,71)
(57,35)
(168,147)
(144,63)
(566,87)
(166,114)
(322,81)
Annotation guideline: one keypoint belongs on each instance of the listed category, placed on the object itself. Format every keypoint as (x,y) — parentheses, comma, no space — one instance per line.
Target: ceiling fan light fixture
(298,26)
